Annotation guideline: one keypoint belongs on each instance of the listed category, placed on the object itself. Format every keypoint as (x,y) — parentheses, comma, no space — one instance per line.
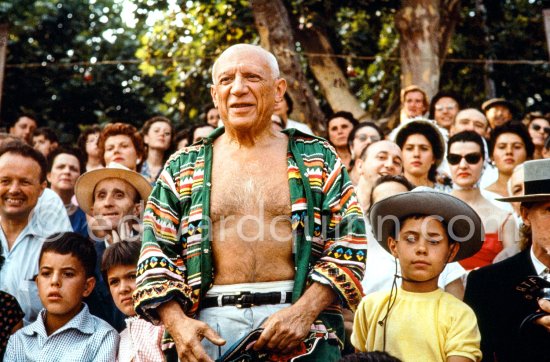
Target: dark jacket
(500,308)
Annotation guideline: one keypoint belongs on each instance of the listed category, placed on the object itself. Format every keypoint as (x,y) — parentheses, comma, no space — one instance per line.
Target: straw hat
(463,223)
(87,182)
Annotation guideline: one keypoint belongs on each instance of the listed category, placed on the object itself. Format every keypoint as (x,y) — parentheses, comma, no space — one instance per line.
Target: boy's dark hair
(47,132)
(122,253)
(75,244)
(467,136)
(400,179)
(73,151)
(516,128)
(83,138)
(432,136)
(375,356)
(22,149)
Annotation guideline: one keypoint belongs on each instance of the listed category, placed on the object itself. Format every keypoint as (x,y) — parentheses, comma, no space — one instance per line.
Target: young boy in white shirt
(65,330)
(424,230)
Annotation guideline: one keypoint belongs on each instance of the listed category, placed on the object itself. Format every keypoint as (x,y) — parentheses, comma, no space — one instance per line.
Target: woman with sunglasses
(362,135)
(465,157)
(509,146)
(539,130)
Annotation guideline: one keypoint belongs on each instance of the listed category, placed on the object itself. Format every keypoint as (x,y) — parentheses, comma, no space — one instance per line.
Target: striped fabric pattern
(329,231)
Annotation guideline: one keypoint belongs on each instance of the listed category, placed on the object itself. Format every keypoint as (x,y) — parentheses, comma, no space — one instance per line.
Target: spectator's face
(423,249)
(64,173)
(245,90)
(43,145)
(114,202)
(446,109)
(281,109)
(464,173)
(338,131)
(91,145)
(498,115)
(23,128)
(509,152)
(121,280)
(201,133)
(382,158)
(62,283)
(213,117)
(418,155)
(470,120)
(539,129)
(414,104)
(538,217)
(120,149)
(159,136)
(20,186)
(516,187)
(363,137)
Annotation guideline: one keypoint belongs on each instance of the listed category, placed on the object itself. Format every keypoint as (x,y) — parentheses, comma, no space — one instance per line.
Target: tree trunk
(273,24)
(3,50)
(418,24)
(334,84)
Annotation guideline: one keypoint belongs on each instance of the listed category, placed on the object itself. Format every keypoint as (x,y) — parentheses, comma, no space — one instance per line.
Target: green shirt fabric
(328,231)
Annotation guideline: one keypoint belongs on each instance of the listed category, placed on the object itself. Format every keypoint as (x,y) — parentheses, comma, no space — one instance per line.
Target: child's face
(122,283)
(423,250)
(62,283)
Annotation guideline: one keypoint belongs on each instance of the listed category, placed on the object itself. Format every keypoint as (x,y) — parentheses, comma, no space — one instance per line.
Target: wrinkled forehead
(391,148)
(245,57)
(114,183)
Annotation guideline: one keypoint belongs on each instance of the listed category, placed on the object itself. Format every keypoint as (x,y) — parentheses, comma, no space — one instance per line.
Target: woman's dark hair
(122,253)
(289,103)
(145,129)
(432,135)
(516,128)
(342,114)
(73,151)
(438,96)
(83,138)
(75,244)
(467,136)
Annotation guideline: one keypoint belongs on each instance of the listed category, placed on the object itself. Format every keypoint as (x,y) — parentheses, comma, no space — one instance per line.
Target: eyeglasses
(448,107)
(364,137)
(471,158)
(538,127)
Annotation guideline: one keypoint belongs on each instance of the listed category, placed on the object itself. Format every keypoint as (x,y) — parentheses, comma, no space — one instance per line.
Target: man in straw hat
(504,295)
(252,228)
(423,229)
(113,196)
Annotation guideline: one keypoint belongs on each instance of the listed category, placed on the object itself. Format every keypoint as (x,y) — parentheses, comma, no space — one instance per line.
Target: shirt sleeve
(161,272)
(342,263)
(463,338)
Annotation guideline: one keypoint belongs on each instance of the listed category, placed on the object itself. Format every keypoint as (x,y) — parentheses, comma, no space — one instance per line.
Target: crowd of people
(249,238)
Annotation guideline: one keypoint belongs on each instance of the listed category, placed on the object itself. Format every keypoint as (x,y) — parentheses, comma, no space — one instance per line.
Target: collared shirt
(140,341)
(539,266)
(21,264)
(83,338)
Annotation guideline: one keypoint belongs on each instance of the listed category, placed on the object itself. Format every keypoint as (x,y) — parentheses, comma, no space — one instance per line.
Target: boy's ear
(392,244)
(453,251)
(89,287)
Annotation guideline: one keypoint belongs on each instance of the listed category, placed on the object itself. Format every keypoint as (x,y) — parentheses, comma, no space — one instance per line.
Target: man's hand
(544,321)
(187,333)
(287,328)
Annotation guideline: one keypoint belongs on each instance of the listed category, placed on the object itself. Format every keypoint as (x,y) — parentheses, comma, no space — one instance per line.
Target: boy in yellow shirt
(424,230)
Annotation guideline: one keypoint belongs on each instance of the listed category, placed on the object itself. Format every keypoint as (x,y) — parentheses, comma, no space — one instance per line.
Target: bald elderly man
(252,228)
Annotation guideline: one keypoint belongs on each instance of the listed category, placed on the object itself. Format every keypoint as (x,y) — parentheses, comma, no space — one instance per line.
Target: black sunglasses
(537,127)
(471,158)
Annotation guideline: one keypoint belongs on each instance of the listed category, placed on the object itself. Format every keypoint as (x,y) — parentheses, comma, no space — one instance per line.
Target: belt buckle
(244,300)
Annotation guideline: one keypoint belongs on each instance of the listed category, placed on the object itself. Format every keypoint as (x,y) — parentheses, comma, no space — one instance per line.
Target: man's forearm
(315,299)
(170,312)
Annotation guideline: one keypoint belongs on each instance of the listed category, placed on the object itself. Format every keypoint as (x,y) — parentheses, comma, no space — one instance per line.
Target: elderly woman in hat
(423,147)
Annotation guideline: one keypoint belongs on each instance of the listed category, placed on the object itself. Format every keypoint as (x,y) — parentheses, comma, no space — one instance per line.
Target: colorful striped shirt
(328,229)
